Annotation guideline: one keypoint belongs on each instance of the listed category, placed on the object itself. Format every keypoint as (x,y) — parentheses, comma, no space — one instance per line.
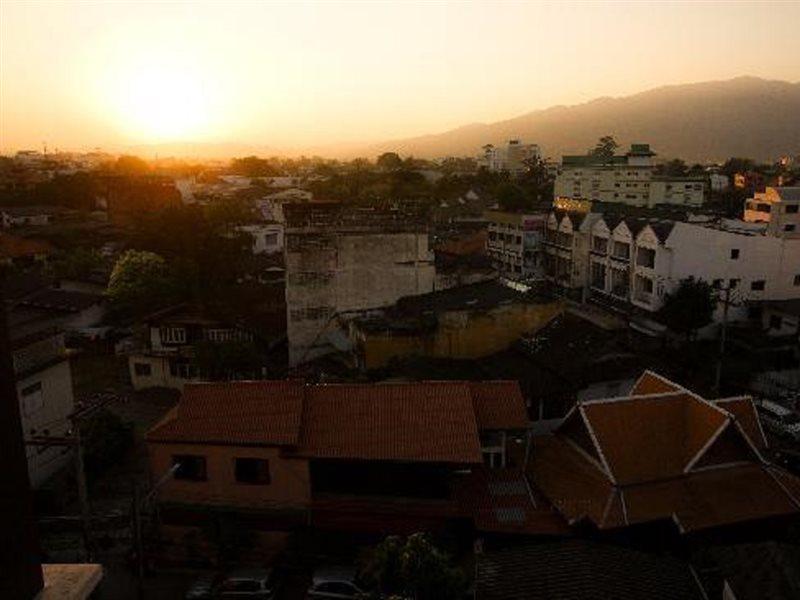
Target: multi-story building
(170,342)
(779,207)
(511,158)
(637,262)
(343,261)
(378,458)
(514,243)
(625,179)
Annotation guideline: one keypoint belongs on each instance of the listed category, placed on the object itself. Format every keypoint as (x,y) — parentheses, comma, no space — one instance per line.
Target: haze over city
(326,76)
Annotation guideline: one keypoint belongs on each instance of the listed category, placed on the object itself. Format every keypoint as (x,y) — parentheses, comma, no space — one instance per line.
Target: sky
(81,75)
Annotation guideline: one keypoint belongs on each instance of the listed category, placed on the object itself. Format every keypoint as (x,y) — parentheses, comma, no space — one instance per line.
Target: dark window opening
(252,470)
(142,369)
(734,253)
(190,467)
(758,285)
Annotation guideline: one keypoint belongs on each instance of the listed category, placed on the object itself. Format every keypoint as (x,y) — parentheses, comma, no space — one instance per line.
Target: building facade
(342,261)
(625,179)
(510,158)
(779,207)
(514,244)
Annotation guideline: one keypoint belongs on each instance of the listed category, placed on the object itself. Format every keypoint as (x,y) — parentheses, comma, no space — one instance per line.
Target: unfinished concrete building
(342,260)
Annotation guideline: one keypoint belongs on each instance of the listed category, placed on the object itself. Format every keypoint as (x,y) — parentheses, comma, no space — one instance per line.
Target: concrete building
(514,243)
(779,207)
(634,263)
(467,322)
(267,237)
(718,182)
(625,179)
(510,158)
(343,261)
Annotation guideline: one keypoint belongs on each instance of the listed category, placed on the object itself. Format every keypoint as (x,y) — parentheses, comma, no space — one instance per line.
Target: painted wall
(460,334)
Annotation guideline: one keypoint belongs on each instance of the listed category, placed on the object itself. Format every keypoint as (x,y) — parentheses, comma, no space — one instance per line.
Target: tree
(673,168)
(140,282)
(736,165)
(76,263)
(413,568)
(605,148)
(511,197)
(389,161)
(537,180)
(253,166)
(690,307)
(105,439)
(130,165)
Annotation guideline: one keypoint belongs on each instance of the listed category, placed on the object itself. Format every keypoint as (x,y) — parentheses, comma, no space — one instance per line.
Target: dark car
(255,584)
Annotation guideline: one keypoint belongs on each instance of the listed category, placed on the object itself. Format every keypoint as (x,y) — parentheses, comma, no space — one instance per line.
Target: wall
(46,410)
(460,334)
(290,485)
(160,375)
(340,272)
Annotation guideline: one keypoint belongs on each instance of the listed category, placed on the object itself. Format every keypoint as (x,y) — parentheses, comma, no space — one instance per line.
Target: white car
(334,583)
(779,419)
(255,584)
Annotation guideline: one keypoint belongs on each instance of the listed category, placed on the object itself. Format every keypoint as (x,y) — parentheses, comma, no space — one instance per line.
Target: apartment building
(345,261)
(625,179)
(378,458)
(779,207)
(514,243)
(510,158)
(628,262)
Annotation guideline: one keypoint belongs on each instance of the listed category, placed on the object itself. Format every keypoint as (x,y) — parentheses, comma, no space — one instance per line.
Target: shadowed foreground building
(277,456)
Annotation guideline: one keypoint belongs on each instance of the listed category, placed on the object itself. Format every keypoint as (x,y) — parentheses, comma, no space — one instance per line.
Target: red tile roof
(426,421)
(245,412)
(13,246)
(498,405)
(429,421)
(668,454)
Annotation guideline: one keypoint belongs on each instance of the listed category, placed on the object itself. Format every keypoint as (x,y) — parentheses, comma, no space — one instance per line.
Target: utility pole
(83,495)
(722,338)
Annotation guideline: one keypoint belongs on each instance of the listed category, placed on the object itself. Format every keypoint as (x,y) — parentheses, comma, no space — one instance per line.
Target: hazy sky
(84,74)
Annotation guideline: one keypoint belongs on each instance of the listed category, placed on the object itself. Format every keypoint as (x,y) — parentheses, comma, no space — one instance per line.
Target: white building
(779,207)
(267,237)
(511,158)
(637,262)
(718,182)
(343,261)
(625,179)
(514,244)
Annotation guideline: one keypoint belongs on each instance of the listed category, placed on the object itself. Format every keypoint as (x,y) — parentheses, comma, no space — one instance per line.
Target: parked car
(256,584)
(204,587)
(334,583)
(779,419)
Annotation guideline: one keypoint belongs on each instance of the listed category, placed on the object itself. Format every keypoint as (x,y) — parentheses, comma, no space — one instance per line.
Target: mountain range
(708,121)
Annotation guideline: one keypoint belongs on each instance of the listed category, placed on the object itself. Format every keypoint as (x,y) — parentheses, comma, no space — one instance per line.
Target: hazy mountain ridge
(714,120)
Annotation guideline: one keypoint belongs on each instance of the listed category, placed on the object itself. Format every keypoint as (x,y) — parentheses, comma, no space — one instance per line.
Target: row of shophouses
(634,263)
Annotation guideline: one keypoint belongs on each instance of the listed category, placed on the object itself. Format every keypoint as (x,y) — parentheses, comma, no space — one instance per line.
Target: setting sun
(158,102)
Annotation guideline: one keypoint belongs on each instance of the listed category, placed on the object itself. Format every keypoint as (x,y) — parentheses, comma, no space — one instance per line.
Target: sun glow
(160,102)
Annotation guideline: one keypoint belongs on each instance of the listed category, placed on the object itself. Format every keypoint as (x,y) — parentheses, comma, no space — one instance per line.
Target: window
(254,471)
(191,467)
(797,280)
(734,253)
(758,285)
(173,335)
(646,257)
(775,322)
(733,283)
(270,239)
(142,369)
(621,250)
(599,244)
(764,208)
(790,227)
(791,209)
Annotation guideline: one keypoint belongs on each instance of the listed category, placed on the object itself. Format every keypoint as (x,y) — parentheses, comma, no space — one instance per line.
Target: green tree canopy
(673,168)
(140,283)
(690,307)
(536,180)
(389,161)
(413,567)
(511,197)
(605,148)
(253,166)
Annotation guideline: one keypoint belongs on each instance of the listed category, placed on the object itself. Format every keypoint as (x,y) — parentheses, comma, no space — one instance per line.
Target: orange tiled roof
(498,405)
(746,416)
(668,454)
(425,421)
(408,421)
(13,246)
(245,412)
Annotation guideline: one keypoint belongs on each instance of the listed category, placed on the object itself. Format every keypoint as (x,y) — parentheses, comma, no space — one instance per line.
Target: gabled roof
(662,453)
(436,421)
(244,413)
(406,422)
